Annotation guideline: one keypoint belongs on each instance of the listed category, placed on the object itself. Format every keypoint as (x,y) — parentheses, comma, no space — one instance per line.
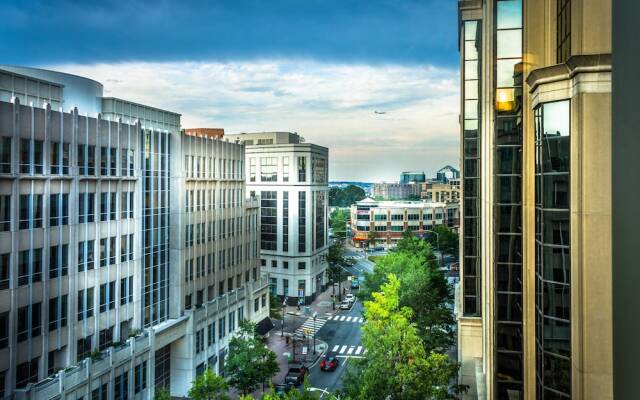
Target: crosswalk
(348,350)
(344,318)
(312,326)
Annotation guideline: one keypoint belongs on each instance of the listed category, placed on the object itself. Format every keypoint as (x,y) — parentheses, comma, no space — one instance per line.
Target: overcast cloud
(330,104)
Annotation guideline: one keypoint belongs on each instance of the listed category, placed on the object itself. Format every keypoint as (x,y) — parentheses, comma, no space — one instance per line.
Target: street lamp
(284,305)
(315,314)
(437,245)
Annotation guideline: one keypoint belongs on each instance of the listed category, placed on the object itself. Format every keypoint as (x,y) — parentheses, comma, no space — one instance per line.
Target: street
(342,335)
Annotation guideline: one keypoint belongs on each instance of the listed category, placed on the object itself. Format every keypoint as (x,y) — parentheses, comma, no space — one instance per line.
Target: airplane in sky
(380,112)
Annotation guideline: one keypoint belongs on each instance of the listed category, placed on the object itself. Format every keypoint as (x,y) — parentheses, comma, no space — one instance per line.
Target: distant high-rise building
(395,190)
(536,248)
(291,179)
(446,173)
(416,177)
(128,253)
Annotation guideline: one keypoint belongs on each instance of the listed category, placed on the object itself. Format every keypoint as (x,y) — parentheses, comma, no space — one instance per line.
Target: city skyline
(325,82)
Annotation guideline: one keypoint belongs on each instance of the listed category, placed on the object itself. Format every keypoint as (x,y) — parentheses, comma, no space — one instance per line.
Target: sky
(317,67)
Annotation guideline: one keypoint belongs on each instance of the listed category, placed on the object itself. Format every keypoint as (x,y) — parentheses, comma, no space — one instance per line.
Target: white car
(350,298)
(345,305)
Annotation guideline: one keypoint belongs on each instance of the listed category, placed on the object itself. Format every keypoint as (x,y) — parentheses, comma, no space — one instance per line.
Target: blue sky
(316,67)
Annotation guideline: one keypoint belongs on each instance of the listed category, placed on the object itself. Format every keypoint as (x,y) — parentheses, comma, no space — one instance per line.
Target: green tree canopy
(345,197)
(250,362)
(447,238)
(208,386)
(397,365)
(423,289)
(338,223)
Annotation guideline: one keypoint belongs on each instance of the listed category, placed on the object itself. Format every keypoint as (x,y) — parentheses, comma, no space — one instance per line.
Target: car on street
(329,363)
(296,374)
(350,298)
(355,283)
(345,305)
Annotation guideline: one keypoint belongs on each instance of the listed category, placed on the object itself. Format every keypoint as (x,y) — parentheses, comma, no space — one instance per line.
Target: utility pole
(284,305)
(315,314)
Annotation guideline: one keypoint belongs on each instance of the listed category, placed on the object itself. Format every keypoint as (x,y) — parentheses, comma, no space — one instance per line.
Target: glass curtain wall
(155,170)
(472,49)
(508,199)
(553,265)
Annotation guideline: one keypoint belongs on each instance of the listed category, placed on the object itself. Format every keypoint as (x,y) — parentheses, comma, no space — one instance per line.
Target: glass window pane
(470,50)
(470,28)
(470,70)
(507,73)
(471,108)
(471,90)
(509,43)
(509,14)
(556,118)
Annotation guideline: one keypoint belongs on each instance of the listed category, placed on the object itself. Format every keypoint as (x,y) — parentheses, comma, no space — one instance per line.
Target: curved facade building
(77,91)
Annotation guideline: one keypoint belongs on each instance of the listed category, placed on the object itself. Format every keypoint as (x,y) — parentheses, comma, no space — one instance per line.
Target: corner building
(291,179)
(111,285)
(536,187)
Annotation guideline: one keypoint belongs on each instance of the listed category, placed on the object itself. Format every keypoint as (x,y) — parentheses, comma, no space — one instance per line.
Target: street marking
(335,348)
(344,347)
(342,318)
(360,320)
(359,350)
(349,319)
(347,357)
(350,350)
(313,327)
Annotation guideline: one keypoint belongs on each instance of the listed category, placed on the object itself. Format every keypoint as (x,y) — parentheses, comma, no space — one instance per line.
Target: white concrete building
(128,253)
(291,179)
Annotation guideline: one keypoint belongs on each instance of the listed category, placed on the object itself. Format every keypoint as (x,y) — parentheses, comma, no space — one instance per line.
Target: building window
(320,223)
(57,312)
(268,220)
(285,169)
(31,156)
(29,322)
(552,254)
(563,30)
(59,158)
(107,296)
(221,328)
(285,221)
(86,208)
(268,169)
(302,169)
(5,213)
(507,155)
(30,211)
(83,348)
(29,266)
(59,209)
(121,386)
(86,260)
(27,372)
(5,159)
(4,333)
(302,222)
(85,304)
(58,260)
(126,290)
(140,377)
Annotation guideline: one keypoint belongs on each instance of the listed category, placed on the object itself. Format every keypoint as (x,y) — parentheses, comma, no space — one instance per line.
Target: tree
(338,222)
(446,238)
(250,362)
(424,289)
(162,394)
(275,307)
(397,365)
(345,197)
(371,238)
(208,386)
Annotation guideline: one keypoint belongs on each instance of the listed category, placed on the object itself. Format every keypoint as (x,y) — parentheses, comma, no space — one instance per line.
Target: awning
(264,326)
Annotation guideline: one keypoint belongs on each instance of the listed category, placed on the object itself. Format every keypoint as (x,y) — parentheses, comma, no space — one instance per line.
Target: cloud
(353,31)
(329,104)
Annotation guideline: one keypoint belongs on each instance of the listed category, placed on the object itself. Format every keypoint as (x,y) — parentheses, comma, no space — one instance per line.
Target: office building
(417,177)
(387,220)
(290,178)
(110,281)
(536,153)
(441,192)
(395,191)
(447,173)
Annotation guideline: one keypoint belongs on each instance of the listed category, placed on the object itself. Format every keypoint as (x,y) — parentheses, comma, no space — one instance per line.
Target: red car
(329,363)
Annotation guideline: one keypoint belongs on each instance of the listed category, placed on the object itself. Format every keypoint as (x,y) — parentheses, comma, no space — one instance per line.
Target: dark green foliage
(345,197)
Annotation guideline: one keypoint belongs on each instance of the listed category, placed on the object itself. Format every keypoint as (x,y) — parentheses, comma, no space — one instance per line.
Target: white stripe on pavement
(342,318)
(358,350)
(343,348)
(335,348)
(350,350)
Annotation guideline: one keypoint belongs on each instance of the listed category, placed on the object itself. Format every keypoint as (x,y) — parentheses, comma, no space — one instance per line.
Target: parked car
(345,305)
(355,283)
(329,363)
(296,374)
(282,388)
(350,298)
